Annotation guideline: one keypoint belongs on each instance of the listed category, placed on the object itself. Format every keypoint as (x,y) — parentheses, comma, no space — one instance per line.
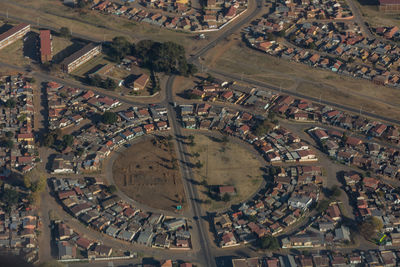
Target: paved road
(262,85)
(359,19)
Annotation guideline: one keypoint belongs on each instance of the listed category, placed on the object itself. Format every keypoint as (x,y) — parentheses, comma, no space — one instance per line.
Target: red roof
(226,189)
(45,43)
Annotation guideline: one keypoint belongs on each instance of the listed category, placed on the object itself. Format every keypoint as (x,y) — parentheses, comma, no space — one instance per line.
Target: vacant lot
(225,163)
(240,59)
(147,173)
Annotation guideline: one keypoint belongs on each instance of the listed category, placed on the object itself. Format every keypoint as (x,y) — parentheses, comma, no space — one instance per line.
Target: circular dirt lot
(148,172)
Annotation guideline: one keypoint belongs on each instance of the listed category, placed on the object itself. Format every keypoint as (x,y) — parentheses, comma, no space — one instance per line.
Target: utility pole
(37,21)
(7,13)
(360,110)
(320,96)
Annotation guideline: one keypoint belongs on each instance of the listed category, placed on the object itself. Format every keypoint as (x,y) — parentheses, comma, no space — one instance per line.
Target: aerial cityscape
(214,133)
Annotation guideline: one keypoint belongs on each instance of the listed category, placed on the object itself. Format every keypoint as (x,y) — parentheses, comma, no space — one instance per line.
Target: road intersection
(205,250)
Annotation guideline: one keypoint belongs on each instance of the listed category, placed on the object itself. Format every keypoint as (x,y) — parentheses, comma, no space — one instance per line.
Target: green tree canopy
(68,140)
(65,32)
(109,117)
(10,103)
(119,48)
(269,242)
(9,197)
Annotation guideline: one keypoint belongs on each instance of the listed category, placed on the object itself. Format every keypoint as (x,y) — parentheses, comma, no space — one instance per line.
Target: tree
(262,128)
(269,242)
(49,139)
(111,189)
(68,140)
(226,197)
(9,198)
(323,205)
(196,154)
(119,48)
(335,191)
(30,79)
(82,3)
(168,57)
(370,227)
(27,181)
(10,103)
(109,117)
(9,134)
(65,32)
(8,143)
(198,164)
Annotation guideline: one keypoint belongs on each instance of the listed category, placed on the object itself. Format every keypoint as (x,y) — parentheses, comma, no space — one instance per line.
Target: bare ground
(145,173)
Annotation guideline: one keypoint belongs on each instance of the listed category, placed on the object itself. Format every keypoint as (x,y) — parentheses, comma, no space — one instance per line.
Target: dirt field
(225,164)
(358,93)
(145,173)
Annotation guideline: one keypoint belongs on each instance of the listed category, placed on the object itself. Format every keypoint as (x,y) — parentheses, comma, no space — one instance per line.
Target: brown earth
(145,172)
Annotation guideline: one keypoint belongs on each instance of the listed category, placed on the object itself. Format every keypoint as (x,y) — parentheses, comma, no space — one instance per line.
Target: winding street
(205,250)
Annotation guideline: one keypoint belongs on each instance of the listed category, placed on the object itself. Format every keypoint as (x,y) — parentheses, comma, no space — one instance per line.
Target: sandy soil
(145,173)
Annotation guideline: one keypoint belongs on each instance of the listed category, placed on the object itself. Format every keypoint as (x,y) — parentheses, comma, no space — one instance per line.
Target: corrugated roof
(45,43)
(13,31)
(78,54)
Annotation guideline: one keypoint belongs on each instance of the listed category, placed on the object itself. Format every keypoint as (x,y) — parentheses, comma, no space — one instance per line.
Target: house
(230,190)
(140,82)
(84,243)
(300,201)
(103,250)
(145,237)
(342,234)
(175,224)
(304,240)
(66,250)
(228,240)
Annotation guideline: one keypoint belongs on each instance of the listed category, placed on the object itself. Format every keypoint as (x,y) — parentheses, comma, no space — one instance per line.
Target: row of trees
(106,83)
(167,57)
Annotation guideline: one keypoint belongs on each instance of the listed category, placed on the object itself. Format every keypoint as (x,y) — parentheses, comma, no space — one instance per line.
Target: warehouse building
(78,58)
(46,49)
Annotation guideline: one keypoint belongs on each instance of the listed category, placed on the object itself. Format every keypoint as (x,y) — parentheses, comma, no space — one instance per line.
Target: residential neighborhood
(199,133)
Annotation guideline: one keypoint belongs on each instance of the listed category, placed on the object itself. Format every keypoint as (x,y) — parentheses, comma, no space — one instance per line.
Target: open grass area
(91,66)
(237,58)
(94,24)
(59,44)
(370,11)
(146,173)
(225,163)
(14,53)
